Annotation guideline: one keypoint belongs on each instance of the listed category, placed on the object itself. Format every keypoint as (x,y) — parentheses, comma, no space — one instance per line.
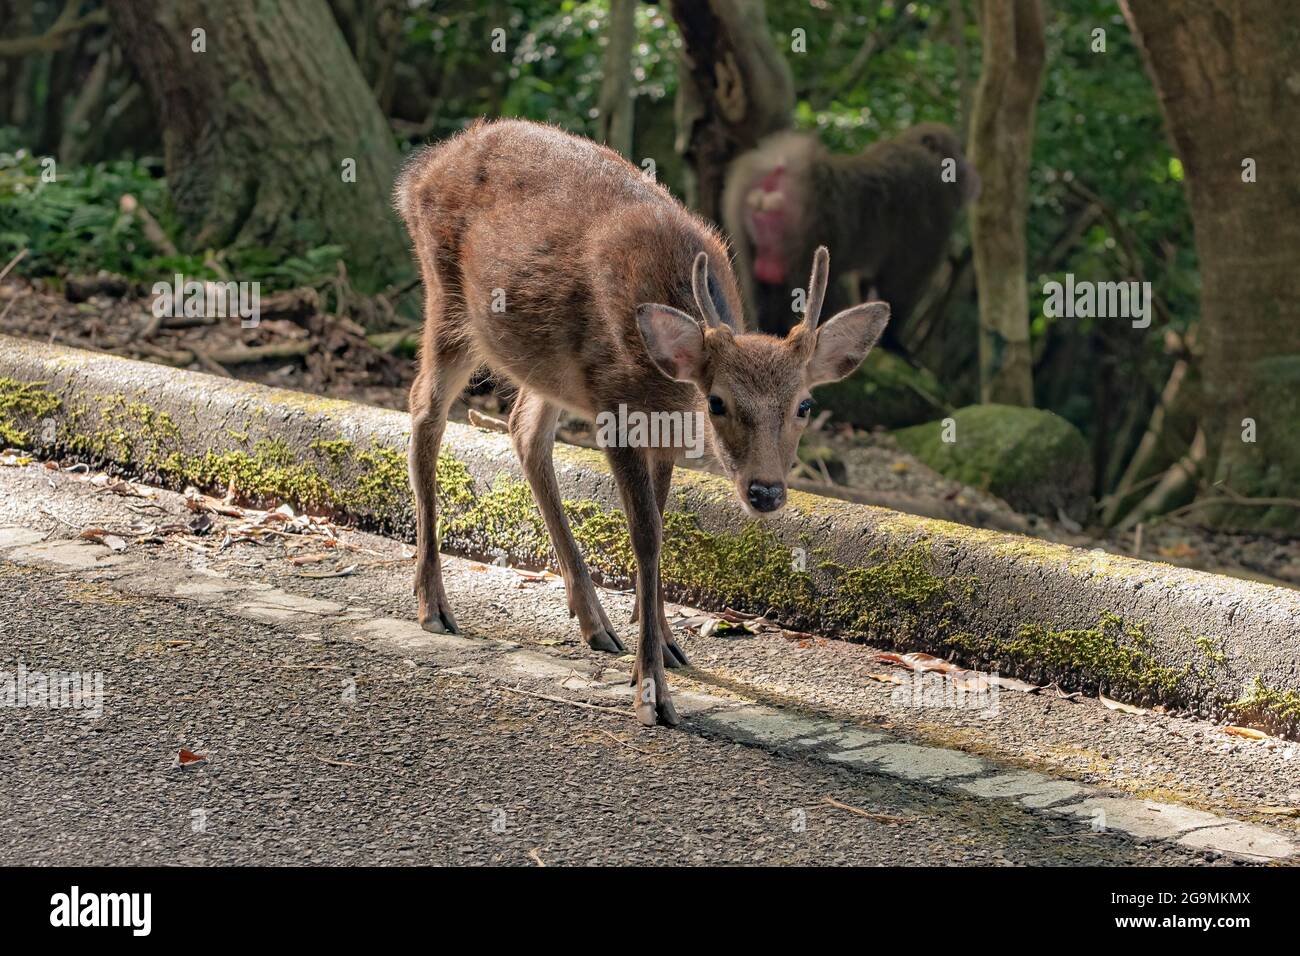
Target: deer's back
(551,241)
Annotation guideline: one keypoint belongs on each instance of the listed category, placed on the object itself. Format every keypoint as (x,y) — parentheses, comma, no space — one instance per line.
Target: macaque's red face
(766,212)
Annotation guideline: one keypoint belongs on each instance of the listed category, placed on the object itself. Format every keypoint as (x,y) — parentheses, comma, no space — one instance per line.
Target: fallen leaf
(310,558)
(736,617)
(692,623)
(962,677)
(187,758)
(1250,733)
(889,678)
(922,663)
(104,537)
(128,490)
(534,575)
(1121,707)
(724,628)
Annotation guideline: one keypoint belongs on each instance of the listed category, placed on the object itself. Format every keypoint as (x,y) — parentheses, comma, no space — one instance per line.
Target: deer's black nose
(765,497)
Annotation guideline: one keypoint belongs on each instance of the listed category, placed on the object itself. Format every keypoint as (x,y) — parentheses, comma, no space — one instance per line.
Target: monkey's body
(885,215)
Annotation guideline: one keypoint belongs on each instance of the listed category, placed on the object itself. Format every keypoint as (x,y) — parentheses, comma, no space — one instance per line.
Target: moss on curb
(1275,710)
(23,401)
(1114,656)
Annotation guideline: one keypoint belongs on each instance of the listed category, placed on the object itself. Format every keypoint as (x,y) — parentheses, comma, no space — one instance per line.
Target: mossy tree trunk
(260,128)
(734,89)
(1001,146)
(1225,71)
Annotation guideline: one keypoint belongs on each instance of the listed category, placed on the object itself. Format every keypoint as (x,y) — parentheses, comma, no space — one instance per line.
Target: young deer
(556,263)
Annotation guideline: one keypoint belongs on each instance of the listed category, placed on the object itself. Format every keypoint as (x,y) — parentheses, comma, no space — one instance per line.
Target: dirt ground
(299,346)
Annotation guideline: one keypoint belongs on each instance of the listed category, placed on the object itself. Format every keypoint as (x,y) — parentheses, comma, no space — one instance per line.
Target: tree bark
(257,129)
(735,88)
(1225,72)
(615,104)
(1001,146)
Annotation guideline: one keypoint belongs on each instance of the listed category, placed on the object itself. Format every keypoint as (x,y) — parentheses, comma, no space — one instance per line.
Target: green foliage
(551,67)
(74,224)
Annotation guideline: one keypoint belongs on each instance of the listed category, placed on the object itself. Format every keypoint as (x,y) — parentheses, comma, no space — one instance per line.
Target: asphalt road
(426,768)
(326,748)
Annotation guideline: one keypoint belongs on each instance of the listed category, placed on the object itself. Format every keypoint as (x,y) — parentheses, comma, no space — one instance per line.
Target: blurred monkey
(885,214)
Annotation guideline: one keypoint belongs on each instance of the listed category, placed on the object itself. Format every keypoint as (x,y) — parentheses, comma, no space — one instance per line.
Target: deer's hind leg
(532,428)
(446,364)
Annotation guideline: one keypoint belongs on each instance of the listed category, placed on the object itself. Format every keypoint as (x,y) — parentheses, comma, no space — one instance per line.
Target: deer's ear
(674,340)
(844,341)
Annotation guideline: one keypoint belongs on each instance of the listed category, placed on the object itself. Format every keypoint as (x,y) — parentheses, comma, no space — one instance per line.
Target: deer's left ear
(674,340)
(844,341)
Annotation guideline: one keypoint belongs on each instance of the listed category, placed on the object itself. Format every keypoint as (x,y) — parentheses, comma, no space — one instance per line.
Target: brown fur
(575,243)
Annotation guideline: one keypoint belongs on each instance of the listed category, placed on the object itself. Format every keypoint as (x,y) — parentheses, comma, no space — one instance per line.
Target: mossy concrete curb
(1137,631)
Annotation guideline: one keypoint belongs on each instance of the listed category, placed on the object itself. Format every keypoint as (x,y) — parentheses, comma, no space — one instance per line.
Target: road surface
(334,731)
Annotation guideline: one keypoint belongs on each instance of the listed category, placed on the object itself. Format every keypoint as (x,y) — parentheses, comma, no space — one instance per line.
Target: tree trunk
(1225,71)
(735,88)
(372,30)
(258,131)
(615,104)
(1001,146)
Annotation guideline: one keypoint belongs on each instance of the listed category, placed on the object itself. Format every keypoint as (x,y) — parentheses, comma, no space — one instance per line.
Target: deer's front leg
(661,473)
(653,702)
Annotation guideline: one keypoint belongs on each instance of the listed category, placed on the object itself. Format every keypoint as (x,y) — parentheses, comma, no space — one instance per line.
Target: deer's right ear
(674,340)
(844,341)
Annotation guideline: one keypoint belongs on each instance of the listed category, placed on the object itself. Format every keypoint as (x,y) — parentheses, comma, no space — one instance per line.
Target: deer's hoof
(657,712)
(607,641)
(674,656)
(653,704)
(439,622)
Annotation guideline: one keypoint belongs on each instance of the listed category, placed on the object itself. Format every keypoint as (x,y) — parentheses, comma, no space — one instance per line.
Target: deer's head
(756,390)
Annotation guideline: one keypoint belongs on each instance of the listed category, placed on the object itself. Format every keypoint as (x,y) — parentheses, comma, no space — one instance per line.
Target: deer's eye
(805,407)
(717,406)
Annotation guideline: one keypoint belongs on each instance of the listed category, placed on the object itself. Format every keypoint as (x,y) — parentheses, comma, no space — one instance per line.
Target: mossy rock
(1032,459)
(884,391)
(1268,467)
